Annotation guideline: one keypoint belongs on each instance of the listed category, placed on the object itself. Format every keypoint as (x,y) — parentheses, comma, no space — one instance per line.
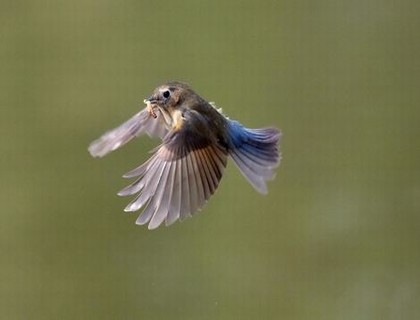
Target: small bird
(186,168)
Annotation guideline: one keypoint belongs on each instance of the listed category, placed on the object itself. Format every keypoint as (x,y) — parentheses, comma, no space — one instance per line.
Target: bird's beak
(152,99)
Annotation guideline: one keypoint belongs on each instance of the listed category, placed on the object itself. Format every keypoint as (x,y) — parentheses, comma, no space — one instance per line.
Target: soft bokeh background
(337,237)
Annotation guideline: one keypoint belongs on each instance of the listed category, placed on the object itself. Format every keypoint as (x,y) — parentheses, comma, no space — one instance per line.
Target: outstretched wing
(178,179)
(140,123)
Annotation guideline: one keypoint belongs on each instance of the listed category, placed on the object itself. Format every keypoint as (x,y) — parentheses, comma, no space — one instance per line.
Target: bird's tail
(255,152)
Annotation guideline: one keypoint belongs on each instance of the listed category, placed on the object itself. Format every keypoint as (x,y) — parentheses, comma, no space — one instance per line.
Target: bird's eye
(166,94)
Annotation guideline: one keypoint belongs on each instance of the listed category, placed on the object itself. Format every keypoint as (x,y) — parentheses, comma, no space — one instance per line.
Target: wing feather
(175,183)
(204,172)
(197,168)
(162,198)
(185,194)
(212,167)
(173,214)
(141,122)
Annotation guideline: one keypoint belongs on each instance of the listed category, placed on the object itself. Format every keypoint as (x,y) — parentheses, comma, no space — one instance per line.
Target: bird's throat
(172,119)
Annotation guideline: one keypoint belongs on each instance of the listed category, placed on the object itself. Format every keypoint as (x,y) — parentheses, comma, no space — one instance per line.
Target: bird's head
(170,95)
(171,100)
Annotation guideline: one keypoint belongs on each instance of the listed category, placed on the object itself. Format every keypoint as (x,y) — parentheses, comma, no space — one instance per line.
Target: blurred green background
(338,235)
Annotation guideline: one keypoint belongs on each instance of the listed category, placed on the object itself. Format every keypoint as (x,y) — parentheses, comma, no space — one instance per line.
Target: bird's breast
(177,120)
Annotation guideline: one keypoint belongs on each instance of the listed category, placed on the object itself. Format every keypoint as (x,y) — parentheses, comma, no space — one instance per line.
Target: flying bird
(186,168)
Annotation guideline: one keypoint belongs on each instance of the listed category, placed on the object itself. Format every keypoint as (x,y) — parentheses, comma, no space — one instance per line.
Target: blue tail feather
(255,152)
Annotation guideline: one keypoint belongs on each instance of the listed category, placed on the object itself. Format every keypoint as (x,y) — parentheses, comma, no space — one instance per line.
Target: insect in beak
(151,106)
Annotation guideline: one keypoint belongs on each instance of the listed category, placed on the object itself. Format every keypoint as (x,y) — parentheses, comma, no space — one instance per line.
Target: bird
(197,139)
